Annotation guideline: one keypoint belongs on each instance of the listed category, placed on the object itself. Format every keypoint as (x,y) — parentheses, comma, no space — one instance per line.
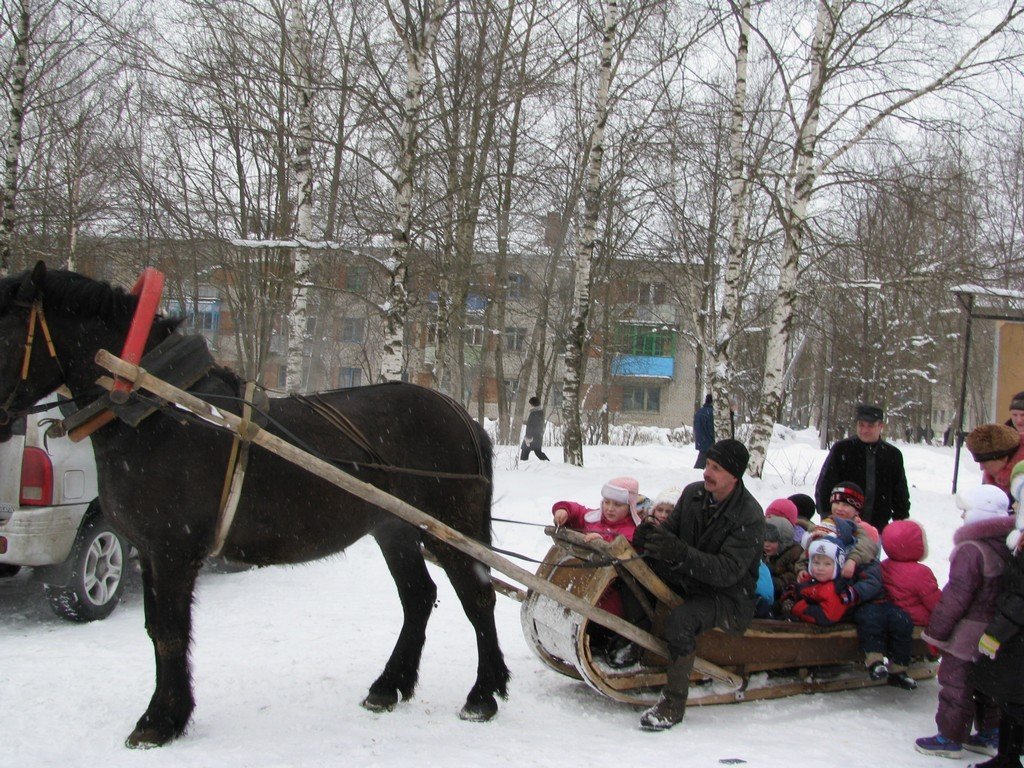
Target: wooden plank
(392,504)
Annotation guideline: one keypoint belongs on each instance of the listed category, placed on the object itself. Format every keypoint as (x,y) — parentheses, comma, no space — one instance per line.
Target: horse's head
(28,372)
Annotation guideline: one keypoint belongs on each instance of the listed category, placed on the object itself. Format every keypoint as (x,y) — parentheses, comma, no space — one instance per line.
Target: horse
(160,485)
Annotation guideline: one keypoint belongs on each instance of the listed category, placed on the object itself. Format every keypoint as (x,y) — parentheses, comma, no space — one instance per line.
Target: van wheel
(97,579)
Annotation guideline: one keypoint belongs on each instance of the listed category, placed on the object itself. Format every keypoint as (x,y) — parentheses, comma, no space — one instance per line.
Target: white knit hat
(982,502)
(669,496)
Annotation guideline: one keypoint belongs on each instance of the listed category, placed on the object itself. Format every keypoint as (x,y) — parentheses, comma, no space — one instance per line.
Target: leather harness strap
(235,475)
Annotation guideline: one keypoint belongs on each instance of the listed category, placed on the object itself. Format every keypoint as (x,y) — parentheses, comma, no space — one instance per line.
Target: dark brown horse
(161,482)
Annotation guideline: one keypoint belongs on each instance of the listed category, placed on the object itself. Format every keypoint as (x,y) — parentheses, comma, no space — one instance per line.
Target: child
(805,510)
(780,554)
(617,515)
(664,503)
(847,500)
(910,584)
(818,600)
(998,671)
(860,549)
(967,604)
(785,509)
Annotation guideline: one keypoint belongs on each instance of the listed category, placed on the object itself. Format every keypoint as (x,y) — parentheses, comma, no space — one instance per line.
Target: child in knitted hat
(966,605)
(617,515)
(781,554)
(847,500)
(664,503)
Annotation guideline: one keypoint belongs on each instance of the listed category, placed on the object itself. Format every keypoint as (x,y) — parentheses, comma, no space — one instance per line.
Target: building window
(350,377)
(511,388)
(204,317)
(356,278)
(515,339)
(516,287)
(475,335)
(647,341)
(644,294)
(352,329)
(647,399)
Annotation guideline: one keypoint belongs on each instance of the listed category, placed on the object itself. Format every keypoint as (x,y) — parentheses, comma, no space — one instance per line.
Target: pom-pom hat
(850,493)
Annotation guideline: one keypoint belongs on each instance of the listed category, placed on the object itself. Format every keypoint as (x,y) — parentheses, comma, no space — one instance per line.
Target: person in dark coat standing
(534,439)
(703,431)
(998,672)
(709,552)
(874,464)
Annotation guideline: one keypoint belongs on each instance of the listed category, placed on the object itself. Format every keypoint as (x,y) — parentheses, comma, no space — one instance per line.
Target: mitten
(662,545)
(988,645)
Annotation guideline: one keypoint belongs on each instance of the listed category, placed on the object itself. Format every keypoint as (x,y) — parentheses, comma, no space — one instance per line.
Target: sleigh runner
(770,660)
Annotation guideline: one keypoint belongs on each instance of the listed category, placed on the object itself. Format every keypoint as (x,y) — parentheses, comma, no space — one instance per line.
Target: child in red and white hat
(617,515)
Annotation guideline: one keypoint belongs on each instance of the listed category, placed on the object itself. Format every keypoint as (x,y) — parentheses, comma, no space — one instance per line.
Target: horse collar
(35,314)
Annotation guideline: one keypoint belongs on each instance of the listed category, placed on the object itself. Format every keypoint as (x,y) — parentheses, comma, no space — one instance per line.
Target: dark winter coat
(783,567)
(848,461)
(818,602)
(909,583)
(704,428)
(535,427)
(724,553)
(968,601)
(1001,677)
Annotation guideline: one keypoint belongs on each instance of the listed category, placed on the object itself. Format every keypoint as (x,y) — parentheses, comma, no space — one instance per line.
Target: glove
(988,645)
(848,596)
(662,545)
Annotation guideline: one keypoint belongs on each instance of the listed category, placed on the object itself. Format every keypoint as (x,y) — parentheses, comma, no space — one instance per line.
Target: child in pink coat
(617,515)
(909,583)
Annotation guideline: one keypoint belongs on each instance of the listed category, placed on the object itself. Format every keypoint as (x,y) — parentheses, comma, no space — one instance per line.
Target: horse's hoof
(479,712)
(377,702)
(145,738)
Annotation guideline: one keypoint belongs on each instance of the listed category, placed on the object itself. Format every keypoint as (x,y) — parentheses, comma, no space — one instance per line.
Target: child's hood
(905,540)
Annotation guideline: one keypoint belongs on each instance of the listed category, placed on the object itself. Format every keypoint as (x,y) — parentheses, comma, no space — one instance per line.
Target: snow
(283,656)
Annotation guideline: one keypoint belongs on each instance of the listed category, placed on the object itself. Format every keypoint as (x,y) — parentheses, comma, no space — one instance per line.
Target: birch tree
(19,27)
(417,36)
(575,348)
(853,39)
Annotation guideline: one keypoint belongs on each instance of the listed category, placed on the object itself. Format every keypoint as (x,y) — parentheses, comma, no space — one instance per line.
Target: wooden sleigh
(771,659)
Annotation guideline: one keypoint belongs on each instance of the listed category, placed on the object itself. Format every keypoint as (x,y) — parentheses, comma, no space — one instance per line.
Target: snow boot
(671,706)
(1011,736)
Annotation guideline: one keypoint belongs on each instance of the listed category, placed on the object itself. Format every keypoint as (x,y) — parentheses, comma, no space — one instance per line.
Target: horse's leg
(167,589)
(472,584)
(417,593)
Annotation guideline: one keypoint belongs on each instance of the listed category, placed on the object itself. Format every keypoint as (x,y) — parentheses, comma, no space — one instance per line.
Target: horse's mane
(78,295)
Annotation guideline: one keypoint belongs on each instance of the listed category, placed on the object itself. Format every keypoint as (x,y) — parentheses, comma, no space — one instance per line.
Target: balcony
(643,366)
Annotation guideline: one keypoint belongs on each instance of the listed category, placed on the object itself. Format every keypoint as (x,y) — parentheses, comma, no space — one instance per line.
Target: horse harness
(36,314)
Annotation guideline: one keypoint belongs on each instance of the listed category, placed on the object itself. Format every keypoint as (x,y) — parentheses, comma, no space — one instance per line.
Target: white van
(51,521)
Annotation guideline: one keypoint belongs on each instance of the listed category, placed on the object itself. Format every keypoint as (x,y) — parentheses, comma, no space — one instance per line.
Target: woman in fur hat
(997,448)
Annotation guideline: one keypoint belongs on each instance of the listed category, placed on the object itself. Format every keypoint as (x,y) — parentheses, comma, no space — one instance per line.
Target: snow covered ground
(283,656)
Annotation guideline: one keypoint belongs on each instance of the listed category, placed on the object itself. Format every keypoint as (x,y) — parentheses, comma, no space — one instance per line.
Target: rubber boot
(1011,738)
(672,705)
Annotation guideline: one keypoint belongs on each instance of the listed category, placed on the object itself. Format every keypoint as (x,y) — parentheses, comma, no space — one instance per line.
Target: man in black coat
(709,552)
(703,431)
(873,464)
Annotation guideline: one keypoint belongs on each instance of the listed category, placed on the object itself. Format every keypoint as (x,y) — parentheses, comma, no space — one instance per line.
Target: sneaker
(877,670)
(902,680)
(939,746)
(983,742)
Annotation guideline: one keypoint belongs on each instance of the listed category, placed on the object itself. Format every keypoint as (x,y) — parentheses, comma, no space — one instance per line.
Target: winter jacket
(704,428)
(1001,677)
(848,461)
(818,602)
(1002,478)
(910,584)
(857,540)
(968,601)
(724,554)
(535,427)
(783,568)
(589,520)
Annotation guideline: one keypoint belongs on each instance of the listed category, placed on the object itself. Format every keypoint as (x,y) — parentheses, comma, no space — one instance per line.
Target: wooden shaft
(395,506)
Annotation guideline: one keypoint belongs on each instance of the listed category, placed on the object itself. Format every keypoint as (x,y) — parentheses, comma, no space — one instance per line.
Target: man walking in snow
(709,552)
(703,431)
(873,464)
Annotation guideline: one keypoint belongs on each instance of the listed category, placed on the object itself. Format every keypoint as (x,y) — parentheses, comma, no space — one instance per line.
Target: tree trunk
(19,76)
(576,344)
(417,49)
(299,47)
